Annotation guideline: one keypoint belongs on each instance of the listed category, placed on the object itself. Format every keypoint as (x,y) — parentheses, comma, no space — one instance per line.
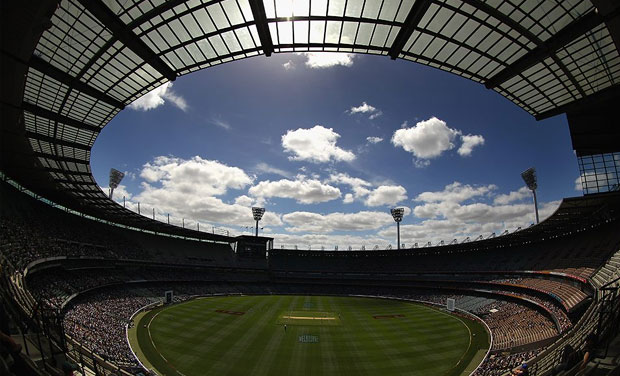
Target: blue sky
(328,143)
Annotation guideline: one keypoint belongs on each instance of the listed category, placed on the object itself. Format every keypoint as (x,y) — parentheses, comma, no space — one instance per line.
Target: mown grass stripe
(423,341)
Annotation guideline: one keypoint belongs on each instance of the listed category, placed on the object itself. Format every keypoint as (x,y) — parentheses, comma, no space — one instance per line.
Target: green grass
(193,339)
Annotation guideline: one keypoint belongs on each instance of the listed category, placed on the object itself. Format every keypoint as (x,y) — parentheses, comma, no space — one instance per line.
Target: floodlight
(397,214)
(258,214)
(529,177)
(115,179)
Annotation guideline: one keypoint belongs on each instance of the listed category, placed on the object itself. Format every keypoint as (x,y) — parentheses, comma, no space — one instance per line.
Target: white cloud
(386,195)
(119,193)
(374,140)
(382,195)
(158,97)
(421,163)
(304,191)
(192,176)
(513,196)
(176,99)
(263,167)
(456,192)
(375,115)
(591,182)
(579,182)
(359,186)
(460,221)
(289,65)
(222,124)
(316,241)
(427,139)
(447,215)
(348,198)
(244,200)
(363,108)
(320,223)
(469,143)
(185,188)
(320,60)
(343,178)
(317,144)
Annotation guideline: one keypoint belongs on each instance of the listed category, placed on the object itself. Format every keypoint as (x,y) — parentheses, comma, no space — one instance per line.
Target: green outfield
(306,335)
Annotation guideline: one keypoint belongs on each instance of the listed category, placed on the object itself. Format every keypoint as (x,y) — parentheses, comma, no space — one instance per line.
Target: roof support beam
(495,13)
(93,198)
(414,17)
(74,83)
(606,94)
(42,112)
(75,182)
(124,34)
(59,158)
(85,191)
(56,141)
(258,11)
(563,37)
(66,172)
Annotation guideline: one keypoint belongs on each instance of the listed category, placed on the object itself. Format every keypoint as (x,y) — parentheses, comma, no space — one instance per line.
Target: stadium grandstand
(76,266)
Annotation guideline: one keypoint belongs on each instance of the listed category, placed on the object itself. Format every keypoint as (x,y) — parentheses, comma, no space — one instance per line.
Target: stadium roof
(68,67)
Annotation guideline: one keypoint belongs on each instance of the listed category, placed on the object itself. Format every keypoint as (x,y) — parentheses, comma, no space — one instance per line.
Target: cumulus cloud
(326,223)
(289,65)
(321,60)
(469,221)
(427,139)
(303,190)
(359,186)
(158,97)
(469,143)
(365,108)
(244,200)
(193,176)
(317,144)
(430,138)
(456,192)
(348,198)
(374,140)
(364,191)
(186,188)
(513,196)
(454,212)
(362,108)
(386,195)
(317,241)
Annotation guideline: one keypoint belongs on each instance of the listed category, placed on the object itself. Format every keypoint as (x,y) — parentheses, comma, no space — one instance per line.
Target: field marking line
(148,330)
(470,339)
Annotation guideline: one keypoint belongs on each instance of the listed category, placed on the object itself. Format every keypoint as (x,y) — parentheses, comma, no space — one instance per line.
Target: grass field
(306,335)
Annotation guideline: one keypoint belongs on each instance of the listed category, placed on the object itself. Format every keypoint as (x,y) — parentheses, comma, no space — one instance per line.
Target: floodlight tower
(115,179)
(397,214)
(529,177)
(258,214)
